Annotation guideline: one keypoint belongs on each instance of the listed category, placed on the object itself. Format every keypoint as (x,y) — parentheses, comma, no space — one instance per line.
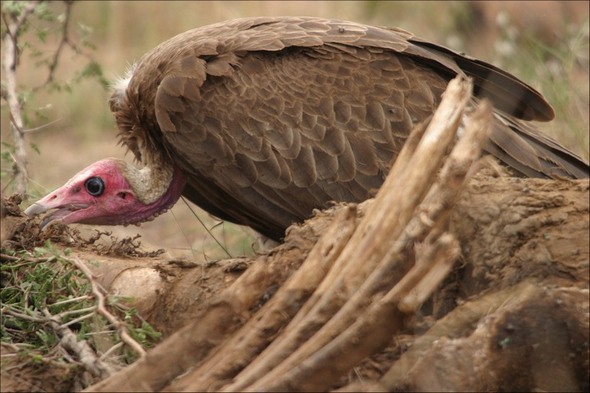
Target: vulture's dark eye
(94,186)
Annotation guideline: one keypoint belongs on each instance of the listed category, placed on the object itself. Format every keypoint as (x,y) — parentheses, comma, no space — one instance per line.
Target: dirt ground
(524,260)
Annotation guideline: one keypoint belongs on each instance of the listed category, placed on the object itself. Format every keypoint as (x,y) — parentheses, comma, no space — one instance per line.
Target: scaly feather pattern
(269,118)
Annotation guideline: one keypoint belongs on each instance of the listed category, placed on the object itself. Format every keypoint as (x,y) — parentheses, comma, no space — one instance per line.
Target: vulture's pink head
(109,192)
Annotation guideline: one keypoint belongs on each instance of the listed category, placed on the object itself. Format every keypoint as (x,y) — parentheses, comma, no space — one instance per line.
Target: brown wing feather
(507,93)
(297,159)
(271,117)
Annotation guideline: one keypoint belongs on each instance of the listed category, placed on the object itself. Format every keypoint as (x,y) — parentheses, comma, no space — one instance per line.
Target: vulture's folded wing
(269,118)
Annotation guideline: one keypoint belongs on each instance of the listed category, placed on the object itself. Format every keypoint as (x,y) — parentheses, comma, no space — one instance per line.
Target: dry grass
(84,131)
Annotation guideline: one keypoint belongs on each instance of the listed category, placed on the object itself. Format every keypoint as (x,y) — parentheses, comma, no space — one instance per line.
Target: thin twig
(206,228)
(8,310)
(77,320)
(76,299)
(73,312)
(83,351)
(64,41)
(28,261)
(41,127)
(111,350)
(69,343)
(101,308)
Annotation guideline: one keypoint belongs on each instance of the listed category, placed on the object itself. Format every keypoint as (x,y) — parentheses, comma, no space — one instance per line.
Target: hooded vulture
(261,120)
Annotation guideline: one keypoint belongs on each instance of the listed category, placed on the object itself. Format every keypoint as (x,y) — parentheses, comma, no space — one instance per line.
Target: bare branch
(41,127)
(64,42)
(342,299)
(10,61)
(83,351)
(101,308)
(336,347)
(256,334)
(16,23)
(68,340)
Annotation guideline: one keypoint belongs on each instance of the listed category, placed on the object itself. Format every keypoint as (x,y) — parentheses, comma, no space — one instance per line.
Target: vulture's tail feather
(532,154)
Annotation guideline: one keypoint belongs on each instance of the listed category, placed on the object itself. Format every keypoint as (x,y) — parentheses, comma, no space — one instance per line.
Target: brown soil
(523,241)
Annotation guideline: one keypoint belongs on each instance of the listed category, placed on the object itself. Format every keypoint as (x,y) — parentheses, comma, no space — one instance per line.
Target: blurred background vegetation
(543,43)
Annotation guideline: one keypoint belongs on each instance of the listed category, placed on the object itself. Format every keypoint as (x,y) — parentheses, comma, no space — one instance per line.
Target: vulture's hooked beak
(54,201)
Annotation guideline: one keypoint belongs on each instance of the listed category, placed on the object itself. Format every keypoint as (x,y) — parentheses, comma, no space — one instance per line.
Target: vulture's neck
(149,183)
(157,187)
(158,184)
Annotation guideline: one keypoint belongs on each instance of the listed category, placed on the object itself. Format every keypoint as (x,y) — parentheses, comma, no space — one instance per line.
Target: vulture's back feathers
(269,118)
